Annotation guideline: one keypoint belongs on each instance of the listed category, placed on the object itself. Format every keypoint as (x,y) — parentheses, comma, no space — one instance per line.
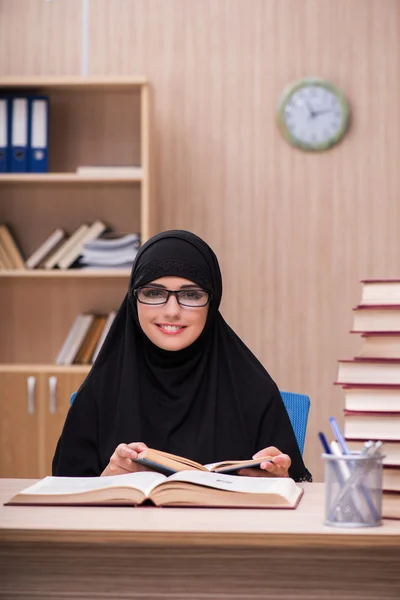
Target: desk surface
(150,526)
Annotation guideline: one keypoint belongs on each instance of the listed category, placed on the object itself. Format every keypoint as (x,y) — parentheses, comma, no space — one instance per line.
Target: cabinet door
(57,390)
(19,424)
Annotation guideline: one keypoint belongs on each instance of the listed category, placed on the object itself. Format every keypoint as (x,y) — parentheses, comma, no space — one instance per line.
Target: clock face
(313,115)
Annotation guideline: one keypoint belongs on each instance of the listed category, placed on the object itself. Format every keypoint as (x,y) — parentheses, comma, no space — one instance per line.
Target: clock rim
(319,82)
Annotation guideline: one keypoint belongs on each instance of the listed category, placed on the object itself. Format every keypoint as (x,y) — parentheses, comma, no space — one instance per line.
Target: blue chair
(297,406)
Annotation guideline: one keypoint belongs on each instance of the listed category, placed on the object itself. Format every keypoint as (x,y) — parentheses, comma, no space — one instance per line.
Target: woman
(172,375)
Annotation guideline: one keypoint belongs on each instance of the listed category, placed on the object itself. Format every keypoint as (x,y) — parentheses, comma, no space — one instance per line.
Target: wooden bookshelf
(94,121)
(74,178)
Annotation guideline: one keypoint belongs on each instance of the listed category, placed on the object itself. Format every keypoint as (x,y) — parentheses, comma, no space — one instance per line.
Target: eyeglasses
(194,298)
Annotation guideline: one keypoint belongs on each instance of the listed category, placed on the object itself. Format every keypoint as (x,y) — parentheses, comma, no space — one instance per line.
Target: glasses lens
(151,295)
(193,297)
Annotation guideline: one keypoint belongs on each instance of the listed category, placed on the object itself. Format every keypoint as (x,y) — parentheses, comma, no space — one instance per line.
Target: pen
(324,443)
(338,435)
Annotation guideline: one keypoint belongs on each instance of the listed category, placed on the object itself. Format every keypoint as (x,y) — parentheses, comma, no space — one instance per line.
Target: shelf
(68,178)
(68,273)
(73,83)
(39,368)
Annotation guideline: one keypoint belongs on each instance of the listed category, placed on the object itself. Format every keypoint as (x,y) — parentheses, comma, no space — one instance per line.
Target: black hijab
(210,401)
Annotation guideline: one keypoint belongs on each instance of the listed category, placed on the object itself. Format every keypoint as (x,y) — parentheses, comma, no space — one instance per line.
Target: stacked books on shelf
(371,382)
(90,246)
(10,254)
(110,251)
(85,338)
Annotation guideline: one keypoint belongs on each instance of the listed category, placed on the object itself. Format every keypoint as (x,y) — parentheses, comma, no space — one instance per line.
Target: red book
(372,371)
(372,425)
(380,291)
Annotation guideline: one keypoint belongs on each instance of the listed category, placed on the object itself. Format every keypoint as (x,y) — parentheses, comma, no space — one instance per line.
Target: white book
(52,261)
(78,338)
(116,171)
(109,258)
(73,332)
(187,488)
(68,258)
(45,248)
(113,241)
(106,329)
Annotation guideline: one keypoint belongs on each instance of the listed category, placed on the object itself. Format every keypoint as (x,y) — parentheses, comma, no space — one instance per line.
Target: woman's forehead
(172,282)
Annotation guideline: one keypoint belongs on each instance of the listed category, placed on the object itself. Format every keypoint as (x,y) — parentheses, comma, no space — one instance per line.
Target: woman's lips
(170,329)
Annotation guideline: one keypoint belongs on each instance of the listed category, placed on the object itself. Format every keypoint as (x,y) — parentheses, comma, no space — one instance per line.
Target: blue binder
(19,134)
(4,134)
(38,134)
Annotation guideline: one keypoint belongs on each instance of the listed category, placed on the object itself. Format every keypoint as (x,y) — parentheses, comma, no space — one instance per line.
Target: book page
(144,481)
(252,485)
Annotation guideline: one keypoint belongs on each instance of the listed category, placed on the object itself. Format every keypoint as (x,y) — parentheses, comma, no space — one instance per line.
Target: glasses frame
(169,294)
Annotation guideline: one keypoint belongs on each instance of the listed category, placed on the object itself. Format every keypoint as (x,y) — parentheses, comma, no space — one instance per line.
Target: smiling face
(171,326)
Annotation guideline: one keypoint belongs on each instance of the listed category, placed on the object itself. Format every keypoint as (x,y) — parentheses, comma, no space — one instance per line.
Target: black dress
(211,401)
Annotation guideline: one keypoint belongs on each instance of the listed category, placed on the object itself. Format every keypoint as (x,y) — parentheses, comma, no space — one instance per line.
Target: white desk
(153,553)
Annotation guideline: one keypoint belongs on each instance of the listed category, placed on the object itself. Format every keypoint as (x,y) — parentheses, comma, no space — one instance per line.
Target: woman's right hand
(121,461)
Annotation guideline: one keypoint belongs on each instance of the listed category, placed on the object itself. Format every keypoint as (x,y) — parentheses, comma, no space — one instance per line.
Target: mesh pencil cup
(353,490)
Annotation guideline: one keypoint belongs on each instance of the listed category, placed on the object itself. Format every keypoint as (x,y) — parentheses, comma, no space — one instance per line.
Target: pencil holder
(353,490)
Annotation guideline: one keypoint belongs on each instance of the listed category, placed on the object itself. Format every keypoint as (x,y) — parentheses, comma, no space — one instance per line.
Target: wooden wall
(294,232)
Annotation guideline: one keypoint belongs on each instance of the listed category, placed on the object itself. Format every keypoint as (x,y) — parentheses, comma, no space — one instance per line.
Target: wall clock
(313,114)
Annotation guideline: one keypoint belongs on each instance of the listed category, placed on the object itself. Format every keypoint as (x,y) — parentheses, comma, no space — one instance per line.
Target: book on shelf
(371,425)
(11,254)
(5,260)
(380,345)
(359,370)
(74,339)
(52,261)
(390,449)
(52,242)
(84,339)
(366,398)
(384,292)
(376,318)
(111,250)
(187,488)
(110,171)
(167,463)
(86,350)
(72,254)
(107,325)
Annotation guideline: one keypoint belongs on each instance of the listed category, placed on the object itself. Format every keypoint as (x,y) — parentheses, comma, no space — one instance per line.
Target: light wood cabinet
(33,407)
(93,121)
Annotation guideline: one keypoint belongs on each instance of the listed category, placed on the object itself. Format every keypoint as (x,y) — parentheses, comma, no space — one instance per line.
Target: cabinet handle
(31,382)
(52,395)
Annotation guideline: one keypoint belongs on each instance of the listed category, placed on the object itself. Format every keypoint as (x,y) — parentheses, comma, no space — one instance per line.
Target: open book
(187,488)
(171,463)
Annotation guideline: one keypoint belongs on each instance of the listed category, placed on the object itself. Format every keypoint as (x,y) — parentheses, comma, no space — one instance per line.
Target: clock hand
(310,109)
(320,112)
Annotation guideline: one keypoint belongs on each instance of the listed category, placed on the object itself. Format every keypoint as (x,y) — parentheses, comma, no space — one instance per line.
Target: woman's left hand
(278,468)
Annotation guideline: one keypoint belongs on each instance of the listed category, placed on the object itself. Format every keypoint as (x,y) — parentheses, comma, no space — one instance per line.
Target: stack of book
(371,382)
(10,254)
(110,251)
(85,339)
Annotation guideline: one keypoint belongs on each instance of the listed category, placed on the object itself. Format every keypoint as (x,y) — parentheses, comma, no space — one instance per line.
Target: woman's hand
(121,461)
(278,468)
